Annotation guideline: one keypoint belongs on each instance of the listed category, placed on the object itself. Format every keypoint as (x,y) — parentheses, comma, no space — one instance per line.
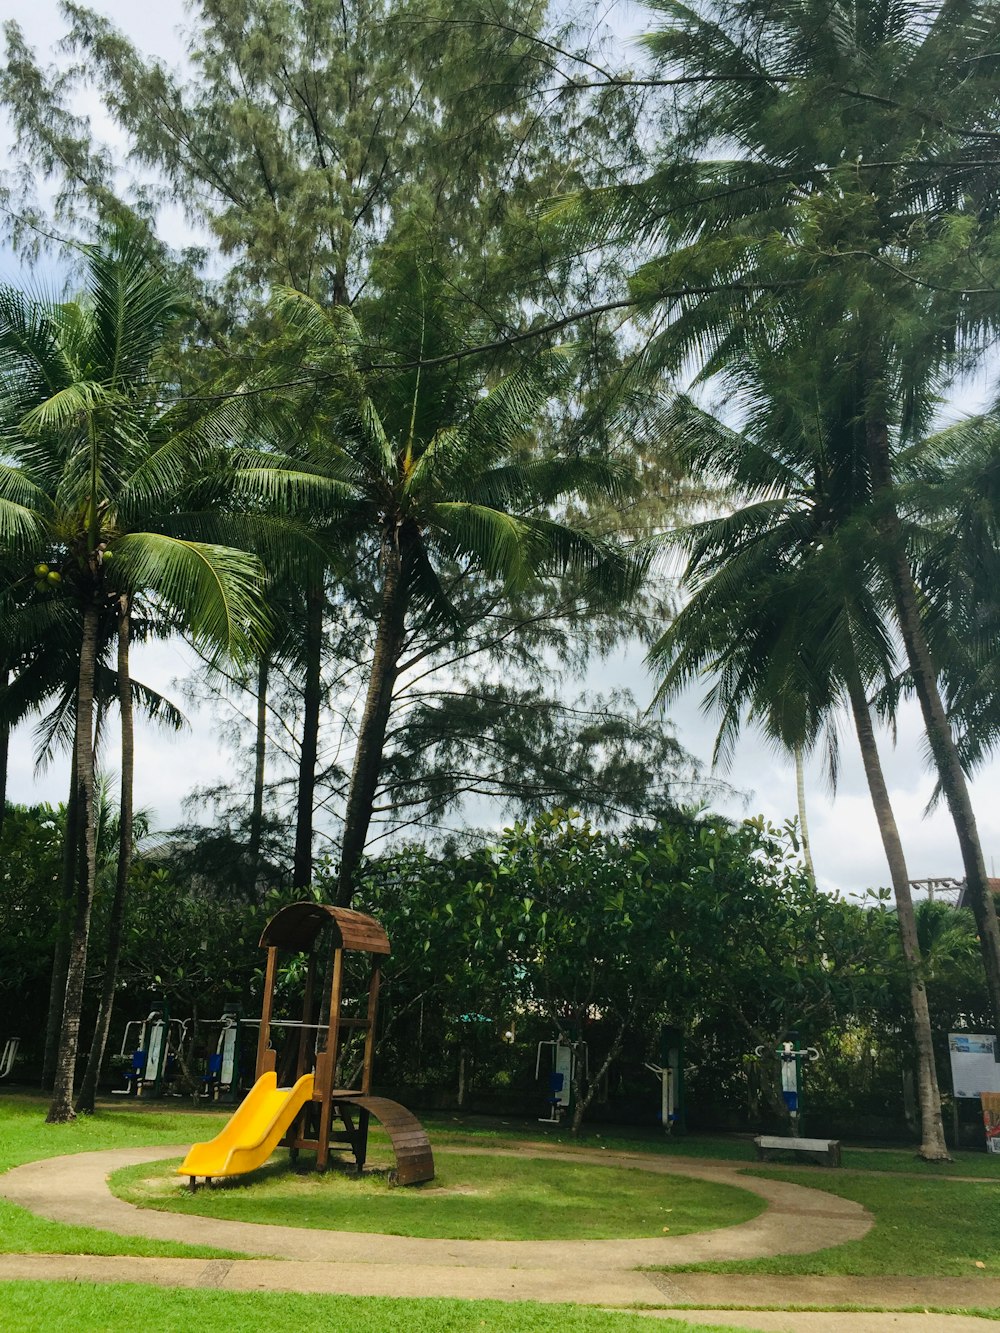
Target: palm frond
(132,302)
(69,407)
(217,591)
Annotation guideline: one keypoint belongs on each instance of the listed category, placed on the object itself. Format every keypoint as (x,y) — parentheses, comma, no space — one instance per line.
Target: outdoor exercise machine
(305,1115)
(9,1056)
(565,1054)
(791,1057)
(222,1068)
(671,1074)
(150,1044)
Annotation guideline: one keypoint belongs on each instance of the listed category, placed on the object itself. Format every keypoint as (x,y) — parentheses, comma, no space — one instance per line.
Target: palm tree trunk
(942,743)
(800,796)
(311,700)
(4,748)
(389,639)
(116,922)
(67,894)
(61,1108)
(260,756)
(57,986)
(932,1142)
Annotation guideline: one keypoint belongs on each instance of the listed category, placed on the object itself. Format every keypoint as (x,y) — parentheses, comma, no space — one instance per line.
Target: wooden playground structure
(306,1114)
(321,1045)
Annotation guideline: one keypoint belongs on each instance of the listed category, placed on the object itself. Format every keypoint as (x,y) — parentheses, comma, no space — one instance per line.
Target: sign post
(975,1074)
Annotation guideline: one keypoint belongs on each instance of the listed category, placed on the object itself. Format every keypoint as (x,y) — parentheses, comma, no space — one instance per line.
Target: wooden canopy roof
(296,927)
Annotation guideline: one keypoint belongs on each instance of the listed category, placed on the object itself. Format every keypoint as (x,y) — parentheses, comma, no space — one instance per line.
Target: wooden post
(373,988)
(326,1069)
(299,1129)
(267,1008)
(304,1035)
(361,1150)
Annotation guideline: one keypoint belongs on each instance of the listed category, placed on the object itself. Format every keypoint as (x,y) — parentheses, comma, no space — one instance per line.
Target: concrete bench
(824,1151)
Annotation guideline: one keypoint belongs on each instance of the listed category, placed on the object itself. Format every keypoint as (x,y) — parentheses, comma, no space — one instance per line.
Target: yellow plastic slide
(253,1132)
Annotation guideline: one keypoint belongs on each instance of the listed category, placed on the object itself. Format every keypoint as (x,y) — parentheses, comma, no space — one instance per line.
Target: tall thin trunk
(936,725)
(389,638)
(119,903)
(57,988)
(260,755)
(311,700)
(932,1142)
(4,747)
(67,896)
(61,1108)
(800,796)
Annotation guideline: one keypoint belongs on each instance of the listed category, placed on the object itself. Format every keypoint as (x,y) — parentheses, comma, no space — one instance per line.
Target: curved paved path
(796,1221)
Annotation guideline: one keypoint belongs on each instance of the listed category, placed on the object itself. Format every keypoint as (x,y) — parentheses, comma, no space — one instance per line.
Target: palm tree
(788,609)
(43,681)
(858,202)
(953,504)
(94,478)
(430,469)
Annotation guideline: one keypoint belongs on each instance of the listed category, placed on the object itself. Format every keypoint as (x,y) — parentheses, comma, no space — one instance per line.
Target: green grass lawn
(923,1227)
(24,1137)
(926,1222)
(66,1307)
(471,1198)
(728,1148)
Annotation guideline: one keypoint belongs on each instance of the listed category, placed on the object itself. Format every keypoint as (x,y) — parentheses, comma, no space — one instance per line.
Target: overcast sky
(846,848)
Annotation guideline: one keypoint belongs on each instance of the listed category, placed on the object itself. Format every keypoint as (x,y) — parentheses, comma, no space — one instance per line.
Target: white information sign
(973,1068)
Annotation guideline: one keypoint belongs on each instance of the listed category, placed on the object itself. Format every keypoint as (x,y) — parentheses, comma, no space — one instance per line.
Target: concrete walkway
(593,1272)
(728,1298)
(796,1221)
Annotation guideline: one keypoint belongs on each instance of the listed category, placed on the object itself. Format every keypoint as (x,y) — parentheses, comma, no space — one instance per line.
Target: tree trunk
(800,796)
(61,1108)
(312,698)
(4,747)
(581,1099)
(67,896)
(260,755)
(942,743)
(389,639)
(119,904)
(932,1142)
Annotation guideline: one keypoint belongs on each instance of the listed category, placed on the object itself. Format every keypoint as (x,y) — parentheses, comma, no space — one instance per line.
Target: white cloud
(155,29)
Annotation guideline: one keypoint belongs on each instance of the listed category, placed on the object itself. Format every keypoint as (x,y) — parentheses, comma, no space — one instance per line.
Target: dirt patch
(452,1189)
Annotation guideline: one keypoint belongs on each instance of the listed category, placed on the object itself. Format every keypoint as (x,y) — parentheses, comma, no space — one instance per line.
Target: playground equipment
(222,1069)
(303,1115)
(9,1056)
(565,1054)
(671,1074)
(792,1056)
(150,1042)
(253,1133)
